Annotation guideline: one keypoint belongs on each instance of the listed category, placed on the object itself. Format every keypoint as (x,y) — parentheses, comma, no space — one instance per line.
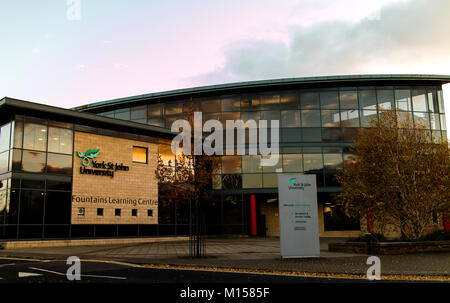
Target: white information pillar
(298,214)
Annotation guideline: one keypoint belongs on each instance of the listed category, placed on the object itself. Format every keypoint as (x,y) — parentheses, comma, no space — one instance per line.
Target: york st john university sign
(98,168)
(213,144)
(299,224)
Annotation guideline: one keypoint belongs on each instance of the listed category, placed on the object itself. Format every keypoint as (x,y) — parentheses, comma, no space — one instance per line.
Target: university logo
(291,180)
(87,156)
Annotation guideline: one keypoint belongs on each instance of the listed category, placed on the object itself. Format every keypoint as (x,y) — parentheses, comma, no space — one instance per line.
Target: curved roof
(372,79)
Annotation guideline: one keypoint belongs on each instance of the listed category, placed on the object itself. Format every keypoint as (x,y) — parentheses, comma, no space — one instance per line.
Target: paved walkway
(247,253)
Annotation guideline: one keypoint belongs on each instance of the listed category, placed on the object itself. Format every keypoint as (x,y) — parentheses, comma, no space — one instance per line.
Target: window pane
(231,164)
(331,118)
(435,122)
(440,98)
(251,164)
(290,118)
(349,100)
(232,181)
(156,122)
(57,207)
(311,134)
(60,140)
(270,180)
(139,154)
(210,105)
(155,111)
(291,135)
(329,100)
(312,163)
(165,152)
(289,100)
(251,180)
(405,119)
(18,133)
(5,136)
(31,207)
(331,134)
(432,101)
(270,101)
(33,161)
(367,99)
(35,136)
(231,103)
(245,116)
(173,108)
(443,123)
(270,115)
(273,168)
(171,119)
(349,134)
(122,114)
(421,120)
(292,163)
(232,116)
(403,99)
(4,161)
(309,100)
(385,98)
(350,118)
(250,103)
(16,159)
(139,113)
(367,116)
(332,161)
(419,100)
(59,164)
(310,118)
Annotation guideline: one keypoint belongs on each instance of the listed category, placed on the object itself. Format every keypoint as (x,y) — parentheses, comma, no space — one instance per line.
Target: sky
(73,52)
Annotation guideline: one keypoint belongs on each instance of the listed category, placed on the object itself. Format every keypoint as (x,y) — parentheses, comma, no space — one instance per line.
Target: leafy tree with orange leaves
(399,173)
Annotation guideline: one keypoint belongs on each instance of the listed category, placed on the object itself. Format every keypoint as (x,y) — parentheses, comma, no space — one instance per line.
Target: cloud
(405,37)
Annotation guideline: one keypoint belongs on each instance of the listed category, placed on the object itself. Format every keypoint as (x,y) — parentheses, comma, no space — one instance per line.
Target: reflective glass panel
(210,105)
(231,116)
(329,100)
(122,114)
(5,137)
(349,99)
(155,111)
(311,134)
(33,161)
(419,100)
(290,118)
(270,101)
(59,164)
(270,180)
(312,163)
(18,133)
(332,161)
(350,118)
(310,118)
(60,140)
(35,136)
(273,168)
(173,108)
(403,99)
(421,120)
(140,154)
(251,164)
(367,117)
(331,118)
(440,97)
(231,164)
(309,100)
(251,180)
(139,113)
(385,99)
(250,103)
(331,134)
(4,162)
(435,122)
(31,207)
(289,100)
(231,103)
(290,135)
(165,152)
(292,163)
(367,99)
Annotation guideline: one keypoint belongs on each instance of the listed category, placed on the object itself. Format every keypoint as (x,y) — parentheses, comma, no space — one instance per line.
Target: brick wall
(138,183)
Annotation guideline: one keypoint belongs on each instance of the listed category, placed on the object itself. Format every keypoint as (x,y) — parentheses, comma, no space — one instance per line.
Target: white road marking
(28,274)
(9,264)
(92,276)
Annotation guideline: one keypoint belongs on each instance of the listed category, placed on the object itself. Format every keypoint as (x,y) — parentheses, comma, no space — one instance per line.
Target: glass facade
(317,127)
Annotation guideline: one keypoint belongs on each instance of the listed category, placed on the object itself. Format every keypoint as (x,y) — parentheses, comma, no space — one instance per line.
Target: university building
(89,172)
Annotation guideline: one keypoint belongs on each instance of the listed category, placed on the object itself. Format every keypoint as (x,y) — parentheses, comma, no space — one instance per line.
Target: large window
(60,140)
(35,136)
